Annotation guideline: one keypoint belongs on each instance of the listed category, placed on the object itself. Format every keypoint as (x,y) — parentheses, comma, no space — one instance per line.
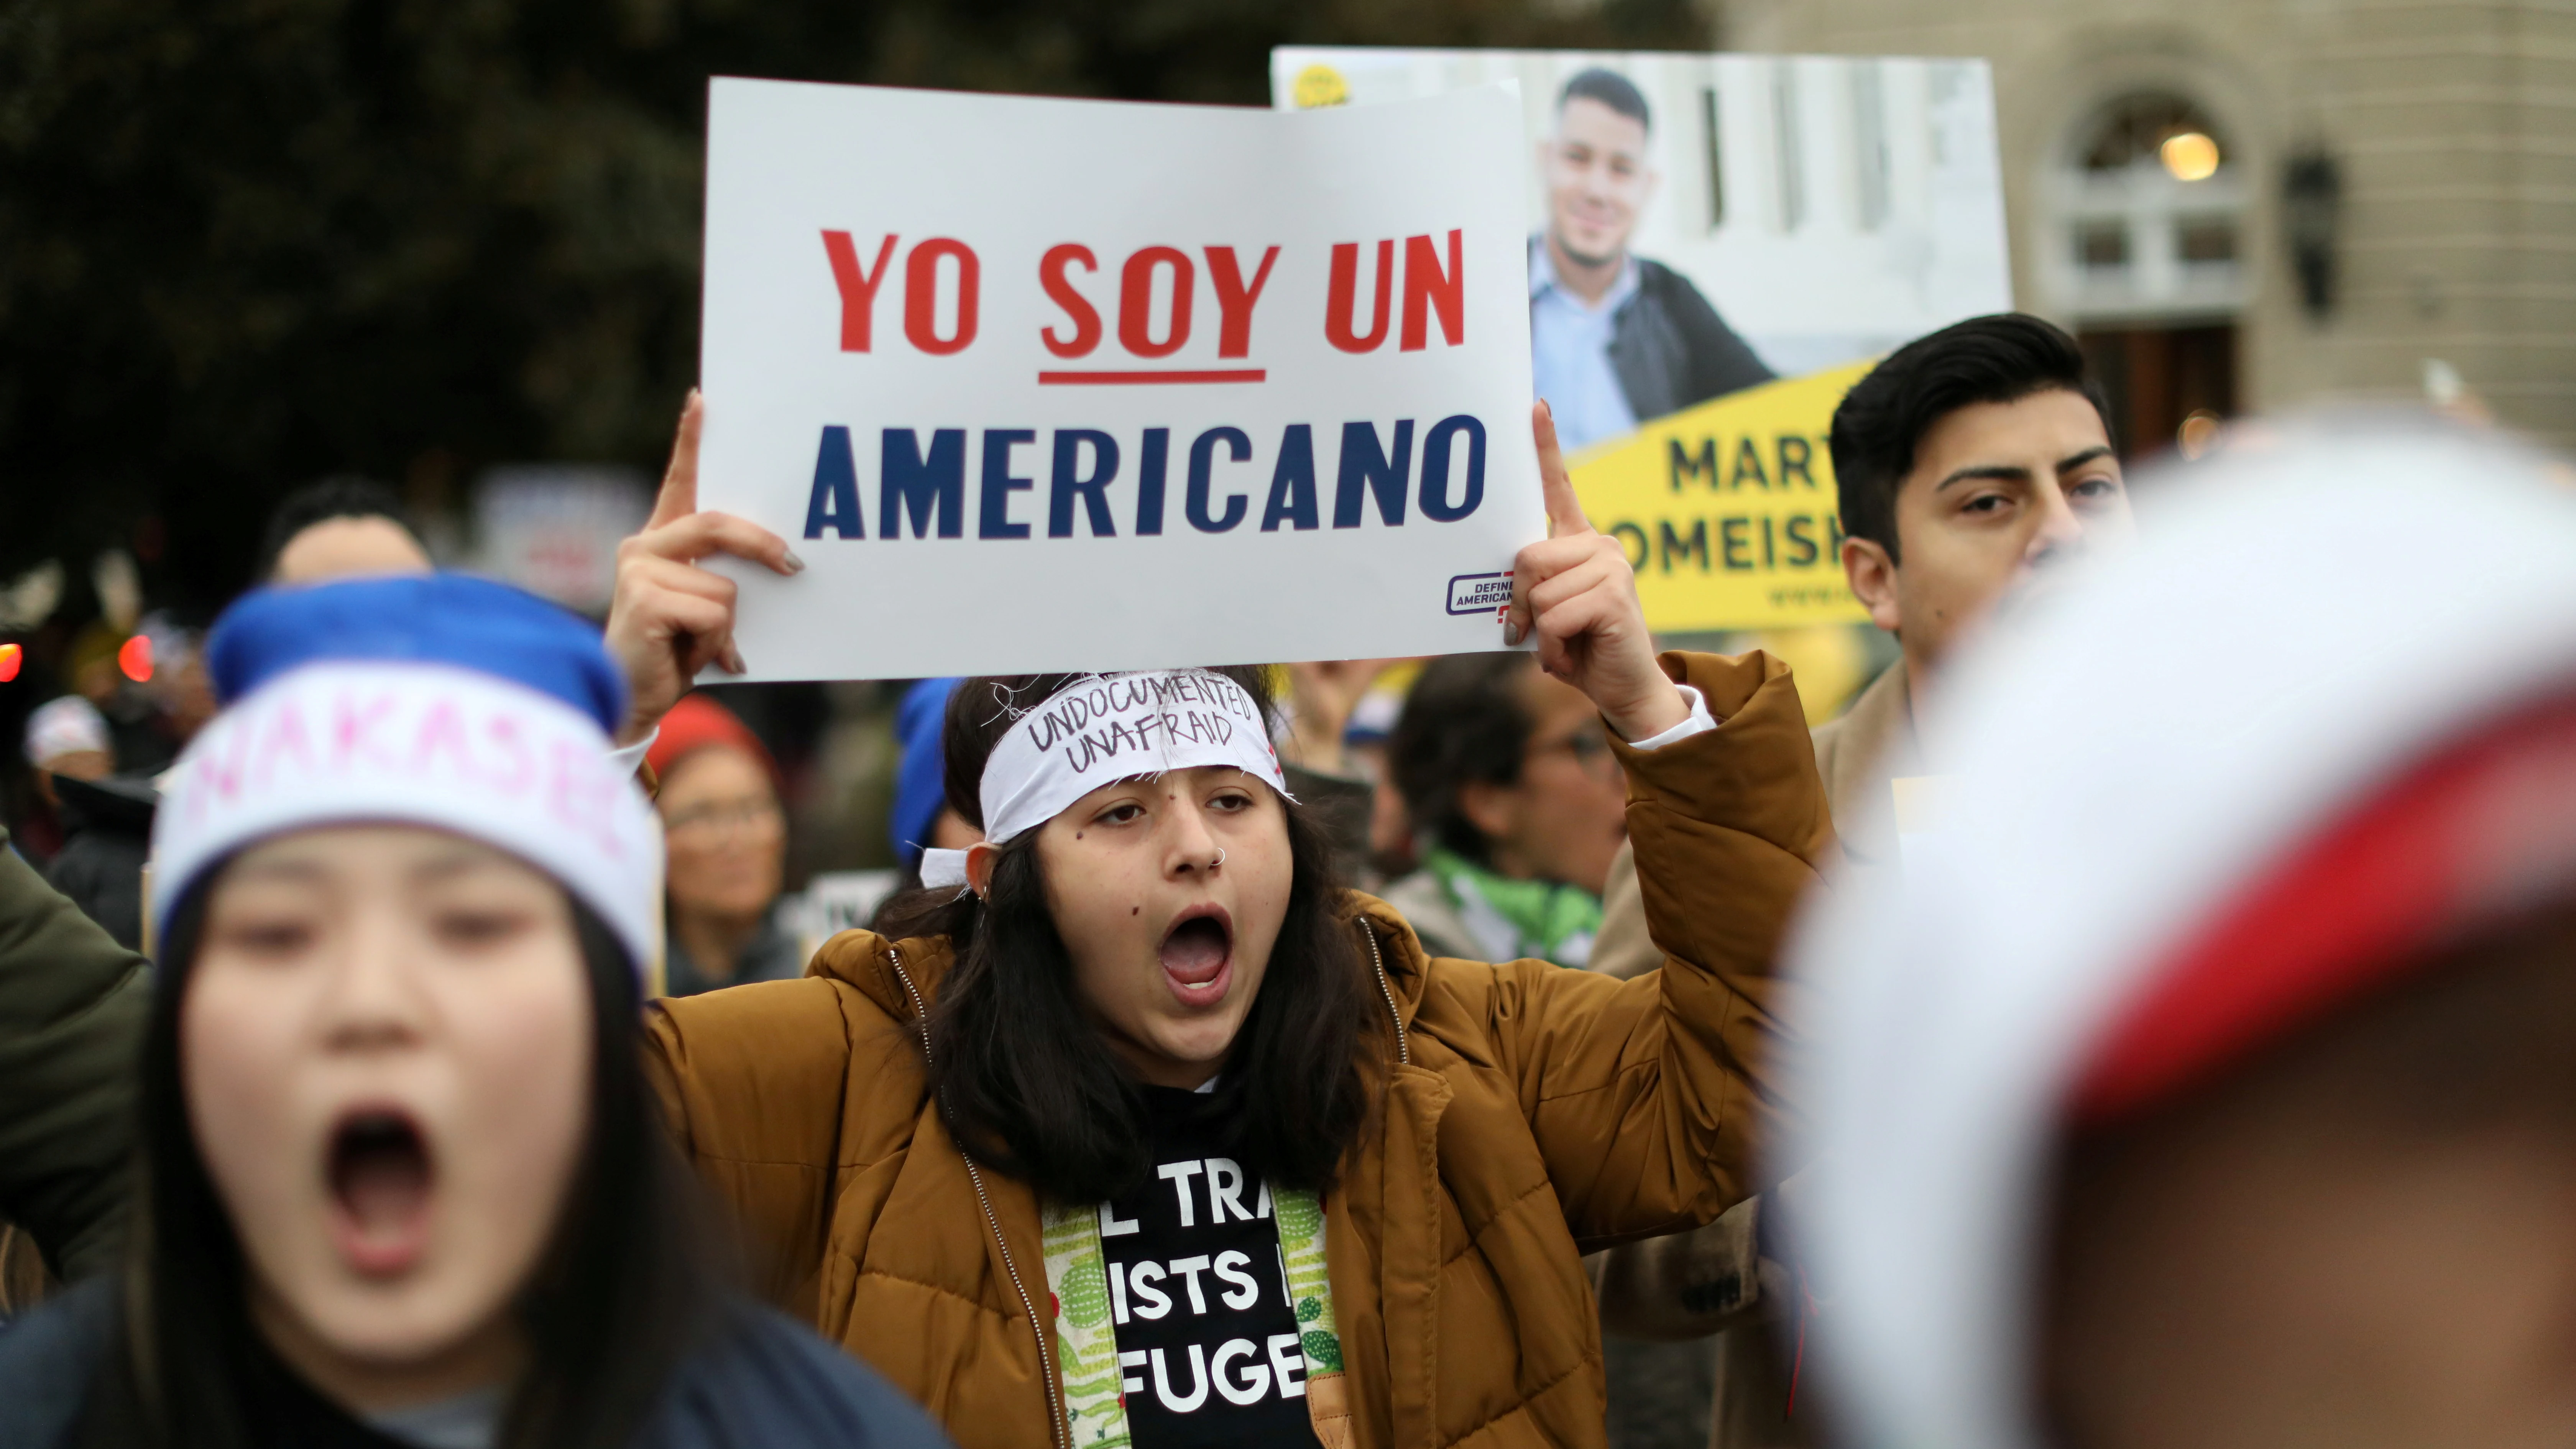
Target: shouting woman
(1142,1131)
(402,1183)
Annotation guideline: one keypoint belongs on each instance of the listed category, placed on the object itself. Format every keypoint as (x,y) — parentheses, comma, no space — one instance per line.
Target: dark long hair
(624,1289)
(1464,723)
(1023,1078)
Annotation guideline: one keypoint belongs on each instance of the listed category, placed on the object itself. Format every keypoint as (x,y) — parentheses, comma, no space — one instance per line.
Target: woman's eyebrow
(287,867)
(449,864)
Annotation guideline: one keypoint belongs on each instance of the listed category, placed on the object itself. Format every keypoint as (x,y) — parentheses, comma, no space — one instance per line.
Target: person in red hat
(725,834)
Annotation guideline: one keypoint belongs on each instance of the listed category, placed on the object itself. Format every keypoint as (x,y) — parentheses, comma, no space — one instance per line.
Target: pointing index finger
(1564,512)
(679,496)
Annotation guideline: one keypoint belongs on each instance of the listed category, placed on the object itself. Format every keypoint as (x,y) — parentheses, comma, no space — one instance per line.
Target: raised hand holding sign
(1575,591)
(669,618)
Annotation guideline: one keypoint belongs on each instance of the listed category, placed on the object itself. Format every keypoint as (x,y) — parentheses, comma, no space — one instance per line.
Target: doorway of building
(2169,387)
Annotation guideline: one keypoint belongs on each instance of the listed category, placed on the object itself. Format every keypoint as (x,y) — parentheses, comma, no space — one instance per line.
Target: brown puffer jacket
(1537,1113)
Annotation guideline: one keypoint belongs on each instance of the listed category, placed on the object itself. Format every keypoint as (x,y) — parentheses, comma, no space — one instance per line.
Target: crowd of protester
(2138,1019)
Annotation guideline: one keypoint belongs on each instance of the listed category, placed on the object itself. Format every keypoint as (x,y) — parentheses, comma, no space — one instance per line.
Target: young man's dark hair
(1610,89)
(1464,721)
(1998,359)
(345,496)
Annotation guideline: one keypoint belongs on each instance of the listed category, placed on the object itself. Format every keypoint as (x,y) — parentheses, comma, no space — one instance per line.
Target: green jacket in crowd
(72,1007)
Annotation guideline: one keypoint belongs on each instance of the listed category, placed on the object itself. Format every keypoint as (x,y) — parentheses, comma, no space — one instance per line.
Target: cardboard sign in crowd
(1038,384)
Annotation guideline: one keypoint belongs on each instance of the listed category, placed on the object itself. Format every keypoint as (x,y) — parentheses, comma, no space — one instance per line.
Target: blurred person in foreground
(67,737)
(340,528)
(725,834)
(106,819)
(73,1001)
(2207,1077)
(66,741)
(403,1182)
(1970,464)
(1511,784)
(1615,339)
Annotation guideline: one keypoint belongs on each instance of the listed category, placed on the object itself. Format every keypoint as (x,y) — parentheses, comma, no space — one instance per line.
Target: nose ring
(1220,858)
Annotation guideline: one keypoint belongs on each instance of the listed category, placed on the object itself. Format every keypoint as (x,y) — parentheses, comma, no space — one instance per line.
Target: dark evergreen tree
(247,243)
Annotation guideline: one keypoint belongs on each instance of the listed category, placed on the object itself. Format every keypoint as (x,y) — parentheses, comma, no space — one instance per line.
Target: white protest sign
(1037,384)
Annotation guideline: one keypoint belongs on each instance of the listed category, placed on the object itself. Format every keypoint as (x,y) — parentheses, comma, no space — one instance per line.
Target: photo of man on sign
(1614,337)
(1704,224)
(1718,245)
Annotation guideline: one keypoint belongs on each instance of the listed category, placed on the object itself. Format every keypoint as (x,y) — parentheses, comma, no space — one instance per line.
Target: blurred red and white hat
(68,725)
(2319,719)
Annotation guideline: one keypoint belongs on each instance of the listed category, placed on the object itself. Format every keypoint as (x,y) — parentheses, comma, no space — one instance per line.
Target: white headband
(1109,727)
(425,744)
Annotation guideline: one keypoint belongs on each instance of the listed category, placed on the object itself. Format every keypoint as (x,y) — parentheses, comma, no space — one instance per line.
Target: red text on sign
(1059,290)
(1429,289)
(858,286)
(1136,301)
(921,287)
(1157,291)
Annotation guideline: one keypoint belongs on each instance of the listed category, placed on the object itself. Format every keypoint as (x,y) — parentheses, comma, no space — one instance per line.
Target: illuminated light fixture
(2189,156)
(10,654)
(134,656)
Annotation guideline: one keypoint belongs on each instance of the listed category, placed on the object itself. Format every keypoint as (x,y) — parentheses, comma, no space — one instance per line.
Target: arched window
(2145,214)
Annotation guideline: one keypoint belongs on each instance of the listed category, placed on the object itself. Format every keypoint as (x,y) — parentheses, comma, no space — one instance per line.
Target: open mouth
(1198,954)
(380,1174)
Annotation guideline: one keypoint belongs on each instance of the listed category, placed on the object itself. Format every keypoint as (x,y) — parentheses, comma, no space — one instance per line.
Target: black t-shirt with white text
(1208,1346)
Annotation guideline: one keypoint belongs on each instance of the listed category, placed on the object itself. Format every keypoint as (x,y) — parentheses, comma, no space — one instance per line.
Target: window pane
(2205,240)
(2101,245)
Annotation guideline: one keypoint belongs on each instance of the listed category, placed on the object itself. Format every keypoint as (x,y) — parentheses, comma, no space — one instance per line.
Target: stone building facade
(2392,213)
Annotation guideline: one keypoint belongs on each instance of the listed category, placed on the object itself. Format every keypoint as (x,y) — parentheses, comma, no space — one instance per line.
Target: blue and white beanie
(441,700)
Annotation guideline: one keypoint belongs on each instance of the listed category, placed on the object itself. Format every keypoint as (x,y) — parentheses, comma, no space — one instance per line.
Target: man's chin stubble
(1579,259)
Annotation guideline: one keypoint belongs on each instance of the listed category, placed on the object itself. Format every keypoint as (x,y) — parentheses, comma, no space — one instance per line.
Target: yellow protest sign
(1727,510)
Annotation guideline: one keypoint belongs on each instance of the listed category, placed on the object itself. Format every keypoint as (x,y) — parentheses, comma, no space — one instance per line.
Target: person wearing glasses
(726,838)
(1519,805)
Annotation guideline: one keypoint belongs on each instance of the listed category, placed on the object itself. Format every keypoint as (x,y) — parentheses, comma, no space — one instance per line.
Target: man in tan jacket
(1967,462)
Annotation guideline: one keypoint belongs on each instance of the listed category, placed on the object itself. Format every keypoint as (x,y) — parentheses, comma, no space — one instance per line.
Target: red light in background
(135,658)
(10,654)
